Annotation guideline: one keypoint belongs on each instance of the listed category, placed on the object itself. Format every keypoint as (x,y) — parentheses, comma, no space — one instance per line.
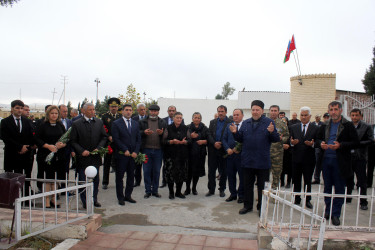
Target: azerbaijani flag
(287,54)
(291,47)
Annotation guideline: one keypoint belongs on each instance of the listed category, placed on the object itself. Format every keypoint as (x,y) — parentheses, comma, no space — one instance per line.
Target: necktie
(18,125)
(304,130)
(237,125)
(129,128)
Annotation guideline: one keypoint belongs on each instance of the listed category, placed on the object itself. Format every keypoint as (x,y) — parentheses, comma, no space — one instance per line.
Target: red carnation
(110,150)
(106,129)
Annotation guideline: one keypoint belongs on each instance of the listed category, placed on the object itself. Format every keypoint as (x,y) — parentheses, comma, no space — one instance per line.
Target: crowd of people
(240,153)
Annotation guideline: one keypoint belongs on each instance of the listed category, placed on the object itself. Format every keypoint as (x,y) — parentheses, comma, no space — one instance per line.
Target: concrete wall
(207,107)
(315,91)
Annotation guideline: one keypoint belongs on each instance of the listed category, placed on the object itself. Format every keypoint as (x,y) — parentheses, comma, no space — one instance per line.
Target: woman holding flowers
(176,138)
(197,152)
(47,137)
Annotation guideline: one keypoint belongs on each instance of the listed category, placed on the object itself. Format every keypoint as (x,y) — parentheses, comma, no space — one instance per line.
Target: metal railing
(35,205)
(290,222)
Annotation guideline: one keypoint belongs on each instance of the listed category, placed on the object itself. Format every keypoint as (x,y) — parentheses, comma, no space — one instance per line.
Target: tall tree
(227,90)
(369,79)
(7,3)
(132,96)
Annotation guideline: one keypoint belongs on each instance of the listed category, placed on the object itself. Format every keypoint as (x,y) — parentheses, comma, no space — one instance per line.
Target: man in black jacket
(17,134)
(88,135)
(142,114)
(216,151)
(302,138)
(337,137)
(359,156)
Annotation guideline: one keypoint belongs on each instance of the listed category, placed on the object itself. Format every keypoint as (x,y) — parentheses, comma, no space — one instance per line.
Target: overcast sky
(186,49)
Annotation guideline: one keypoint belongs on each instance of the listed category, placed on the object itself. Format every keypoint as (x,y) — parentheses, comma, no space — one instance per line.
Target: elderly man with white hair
(302,138)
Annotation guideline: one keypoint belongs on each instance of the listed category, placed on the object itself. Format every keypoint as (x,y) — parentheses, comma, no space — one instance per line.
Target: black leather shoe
(195,192)
(309,205)
(171,196)
(54,205)
(105,187)
(245,210)
(129,199)
(240,200)
(163,185)
(287,186)
(136,184)
(222,194)
(363,207)
(187,192)
(315,182)
(84,205)
(157,195)
(181,196)
(209,194)
(97,204)
(348,200)
(147,195)
(121,203)
(335,221)
(231,198)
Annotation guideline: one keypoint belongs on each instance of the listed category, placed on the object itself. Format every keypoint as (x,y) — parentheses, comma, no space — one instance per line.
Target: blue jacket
(256,143)
(123,140)
(228,139)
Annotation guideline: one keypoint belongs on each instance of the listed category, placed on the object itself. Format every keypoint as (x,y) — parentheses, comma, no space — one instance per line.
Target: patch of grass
(36,243)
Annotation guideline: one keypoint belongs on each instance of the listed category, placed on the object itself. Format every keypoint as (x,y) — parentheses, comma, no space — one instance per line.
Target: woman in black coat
(46,136)
(176,140)
(197,152)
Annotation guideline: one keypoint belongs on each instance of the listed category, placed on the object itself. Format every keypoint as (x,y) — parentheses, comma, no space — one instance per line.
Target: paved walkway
(155,241)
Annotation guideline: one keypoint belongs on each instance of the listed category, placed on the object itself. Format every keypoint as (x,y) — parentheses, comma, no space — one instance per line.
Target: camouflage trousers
(276,169)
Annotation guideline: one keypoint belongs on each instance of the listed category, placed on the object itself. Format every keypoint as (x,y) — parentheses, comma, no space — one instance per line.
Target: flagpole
(296,64)
(299,66)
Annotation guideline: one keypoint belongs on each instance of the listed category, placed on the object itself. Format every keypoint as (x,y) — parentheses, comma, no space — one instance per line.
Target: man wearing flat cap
(108,118)
(152,129)
(256,135)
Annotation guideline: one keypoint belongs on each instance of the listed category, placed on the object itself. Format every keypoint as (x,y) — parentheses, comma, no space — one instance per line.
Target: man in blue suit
(256,135)
(127,138)
(234,159)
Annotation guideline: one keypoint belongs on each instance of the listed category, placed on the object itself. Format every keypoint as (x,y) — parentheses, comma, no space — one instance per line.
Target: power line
(65,79)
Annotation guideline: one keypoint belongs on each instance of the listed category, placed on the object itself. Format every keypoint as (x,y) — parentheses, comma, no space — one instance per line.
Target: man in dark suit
(127,138)
(62,173)
(234,159)
(169,120)
(108,118)
(17,134)
(359,156)
(303,137)
(141,109)
(216,151)
(88,135)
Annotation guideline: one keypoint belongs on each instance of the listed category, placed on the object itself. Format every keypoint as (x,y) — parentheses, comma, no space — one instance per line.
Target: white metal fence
(302,228)
(35,206)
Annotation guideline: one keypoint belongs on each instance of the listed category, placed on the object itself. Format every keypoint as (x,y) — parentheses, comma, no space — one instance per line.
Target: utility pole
(53,95)
(97,88)
(65,78)
(20,95)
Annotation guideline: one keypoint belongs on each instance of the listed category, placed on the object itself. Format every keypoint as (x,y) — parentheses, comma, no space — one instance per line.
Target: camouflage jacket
(282,129)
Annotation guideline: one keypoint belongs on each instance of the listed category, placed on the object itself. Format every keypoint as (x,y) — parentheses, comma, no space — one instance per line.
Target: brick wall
(315,91)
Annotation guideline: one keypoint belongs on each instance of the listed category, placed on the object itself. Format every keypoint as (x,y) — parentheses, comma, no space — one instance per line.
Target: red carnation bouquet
(102,151)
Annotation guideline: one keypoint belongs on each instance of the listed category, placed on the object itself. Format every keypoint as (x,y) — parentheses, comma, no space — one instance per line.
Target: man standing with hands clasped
(126,136)
(336,137)
(302,138)
(256,135)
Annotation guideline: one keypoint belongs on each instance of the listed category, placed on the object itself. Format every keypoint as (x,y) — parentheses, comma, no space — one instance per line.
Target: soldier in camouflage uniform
(108,118)
(277,150)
